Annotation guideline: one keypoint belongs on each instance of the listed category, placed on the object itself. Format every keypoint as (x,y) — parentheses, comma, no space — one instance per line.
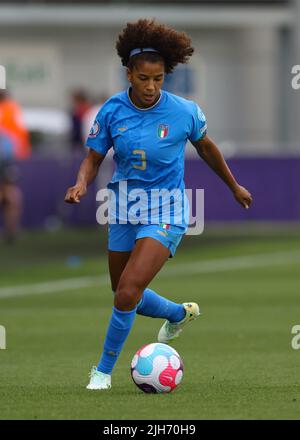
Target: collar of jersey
(148,108)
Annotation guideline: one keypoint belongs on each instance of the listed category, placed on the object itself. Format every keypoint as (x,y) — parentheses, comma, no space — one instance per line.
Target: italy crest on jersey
(163,131)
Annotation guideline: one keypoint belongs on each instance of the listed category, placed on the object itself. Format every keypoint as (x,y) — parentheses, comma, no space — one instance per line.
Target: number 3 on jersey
(141,158)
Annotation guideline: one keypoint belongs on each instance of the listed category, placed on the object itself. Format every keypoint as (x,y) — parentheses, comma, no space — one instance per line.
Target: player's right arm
(98,143)
(87,172)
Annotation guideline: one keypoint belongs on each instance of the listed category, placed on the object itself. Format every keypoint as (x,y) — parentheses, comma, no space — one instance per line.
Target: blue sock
(118,330)
(156,306)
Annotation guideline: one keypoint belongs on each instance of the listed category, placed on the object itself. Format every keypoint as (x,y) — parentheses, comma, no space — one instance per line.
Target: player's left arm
(210,153)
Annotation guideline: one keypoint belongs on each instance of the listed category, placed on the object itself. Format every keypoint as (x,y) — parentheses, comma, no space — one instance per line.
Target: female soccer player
(148,128)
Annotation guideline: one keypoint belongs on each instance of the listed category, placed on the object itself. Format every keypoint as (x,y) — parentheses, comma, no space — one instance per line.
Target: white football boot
(99,380)
(171,330)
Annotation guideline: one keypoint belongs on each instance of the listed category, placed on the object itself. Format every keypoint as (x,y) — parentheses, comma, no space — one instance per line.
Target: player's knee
(126,298)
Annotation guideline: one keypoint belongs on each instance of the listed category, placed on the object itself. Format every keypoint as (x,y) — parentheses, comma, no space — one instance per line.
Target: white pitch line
(181,269)
(234,263)
(54,286)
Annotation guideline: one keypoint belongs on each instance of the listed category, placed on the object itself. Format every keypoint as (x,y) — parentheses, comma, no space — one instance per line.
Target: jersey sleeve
(199,125)
(99,138)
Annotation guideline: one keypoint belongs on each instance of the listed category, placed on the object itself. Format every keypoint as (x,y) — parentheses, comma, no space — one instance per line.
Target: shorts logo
(165,227)
(163,131)
(94,130)
(163,233)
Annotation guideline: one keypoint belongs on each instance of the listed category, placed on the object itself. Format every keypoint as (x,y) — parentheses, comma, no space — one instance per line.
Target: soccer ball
(156,368)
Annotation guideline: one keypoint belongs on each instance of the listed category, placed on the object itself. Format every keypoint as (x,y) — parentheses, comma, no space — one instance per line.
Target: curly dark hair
(173,47)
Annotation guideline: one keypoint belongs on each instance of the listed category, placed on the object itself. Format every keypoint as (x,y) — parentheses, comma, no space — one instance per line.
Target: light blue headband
(141,50)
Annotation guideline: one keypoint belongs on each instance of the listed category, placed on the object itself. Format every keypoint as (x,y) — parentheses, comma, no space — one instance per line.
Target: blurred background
(61,65)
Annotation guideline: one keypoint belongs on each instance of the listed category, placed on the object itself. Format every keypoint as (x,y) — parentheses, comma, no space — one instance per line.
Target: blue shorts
(121,238)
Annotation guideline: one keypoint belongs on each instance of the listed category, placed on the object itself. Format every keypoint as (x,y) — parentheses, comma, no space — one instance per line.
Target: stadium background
(244,269)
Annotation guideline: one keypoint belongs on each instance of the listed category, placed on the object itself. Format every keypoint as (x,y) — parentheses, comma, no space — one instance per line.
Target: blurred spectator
(80,106)
(11,120)
(14,144)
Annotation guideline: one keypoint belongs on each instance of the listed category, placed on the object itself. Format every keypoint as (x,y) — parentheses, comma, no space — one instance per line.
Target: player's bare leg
(145,261)
(152,304)
(117,262)
(141,268)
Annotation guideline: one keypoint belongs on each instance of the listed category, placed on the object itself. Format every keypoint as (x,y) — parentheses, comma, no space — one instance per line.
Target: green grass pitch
(238,358)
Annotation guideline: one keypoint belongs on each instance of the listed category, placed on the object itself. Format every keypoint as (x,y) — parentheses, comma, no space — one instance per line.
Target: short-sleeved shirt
(148,149)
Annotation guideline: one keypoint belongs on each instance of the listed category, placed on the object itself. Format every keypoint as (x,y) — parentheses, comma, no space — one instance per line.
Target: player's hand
(75,193)
(242,196)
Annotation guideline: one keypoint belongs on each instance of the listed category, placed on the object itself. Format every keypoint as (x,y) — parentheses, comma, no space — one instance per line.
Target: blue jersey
(148,148)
